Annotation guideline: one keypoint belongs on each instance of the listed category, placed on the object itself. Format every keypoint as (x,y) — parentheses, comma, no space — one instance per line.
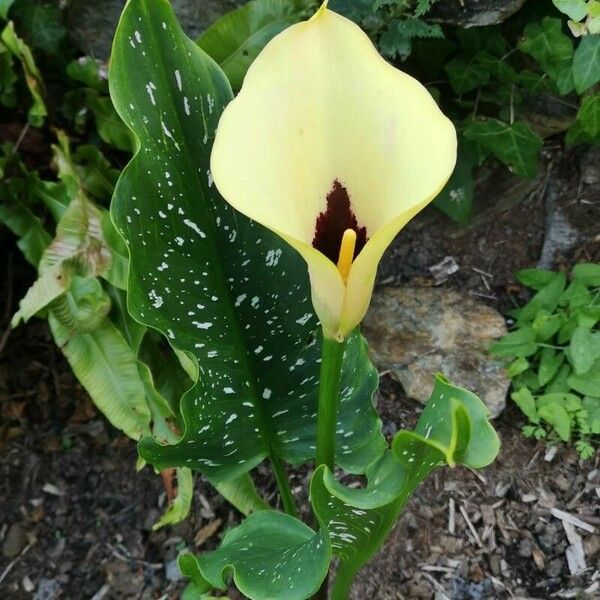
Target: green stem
(283,484)
(342,583)
(329,400)
(329,388)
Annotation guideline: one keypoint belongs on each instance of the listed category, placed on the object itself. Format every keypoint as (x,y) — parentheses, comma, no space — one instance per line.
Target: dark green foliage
(42,24)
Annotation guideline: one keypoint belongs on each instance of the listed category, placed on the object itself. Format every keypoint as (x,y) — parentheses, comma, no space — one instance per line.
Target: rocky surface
(566,227)
(475,13)
(92,24)
(415,332)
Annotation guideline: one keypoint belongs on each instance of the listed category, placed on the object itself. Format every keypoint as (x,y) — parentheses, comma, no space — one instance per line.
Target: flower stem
(332,354)
(329,388)
(342,583)
(283,484)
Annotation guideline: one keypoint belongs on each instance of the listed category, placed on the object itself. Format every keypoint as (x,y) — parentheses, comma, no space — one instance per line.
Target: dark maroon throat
(331,224)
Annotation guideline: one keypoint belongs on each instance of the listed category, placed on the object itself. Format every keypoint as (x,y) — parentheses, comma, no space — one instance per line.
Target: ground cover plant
(557,348)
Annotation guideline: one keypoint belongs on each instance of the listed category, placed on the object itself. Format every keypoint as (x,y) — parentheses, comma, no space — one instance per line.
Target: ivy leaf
(467,75)
(452,429)
(236,39)
(490,39)
(552,49)
(42,24)
(226,292)
(574,9)
(586,63)
(516,145)
(265,555)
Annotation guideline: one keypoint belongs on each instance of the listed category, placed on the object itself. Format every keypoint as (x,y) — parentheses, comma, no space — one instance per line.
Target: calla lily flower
(335,150)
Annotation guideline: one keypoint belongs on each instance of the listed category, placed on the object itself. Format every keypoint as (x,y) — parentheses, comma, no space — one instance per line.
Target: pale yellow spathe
(319,104)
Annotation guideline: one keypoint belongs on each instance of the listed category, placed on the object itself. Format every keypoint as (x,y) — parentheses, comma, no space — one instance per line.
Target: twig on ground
(129,558)
(14,561)
(438,586)
(451,515)
(470,525)
(572,519)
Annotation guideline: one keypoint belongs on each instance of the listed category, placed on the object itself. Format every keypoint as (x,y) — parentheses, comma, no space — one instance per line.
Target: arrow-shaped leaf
(452,429)
(271,556)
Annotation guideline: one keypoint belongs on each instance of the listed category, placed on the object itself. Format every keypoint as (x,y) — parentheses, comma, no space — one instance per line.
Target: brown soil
(75,517)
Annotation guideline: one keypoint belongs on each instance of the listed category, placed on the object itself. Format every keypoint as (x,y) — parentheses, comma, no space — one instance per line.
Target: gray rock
(474,13)
(92,24)
(416,332)
(172,571)
(47,589)
(590,166)
(560,235)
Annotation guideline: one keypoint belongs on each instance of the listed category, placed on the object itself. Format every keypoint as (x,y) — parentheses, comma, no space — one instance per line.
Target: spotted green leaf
(452,429)
(226,292)
(456,199)
(270,556)
(235,39)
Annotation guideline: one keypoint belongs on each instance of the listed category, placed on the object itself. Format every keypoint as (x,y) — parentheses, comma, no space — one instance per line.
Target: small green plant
(254,226)
(556,348)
